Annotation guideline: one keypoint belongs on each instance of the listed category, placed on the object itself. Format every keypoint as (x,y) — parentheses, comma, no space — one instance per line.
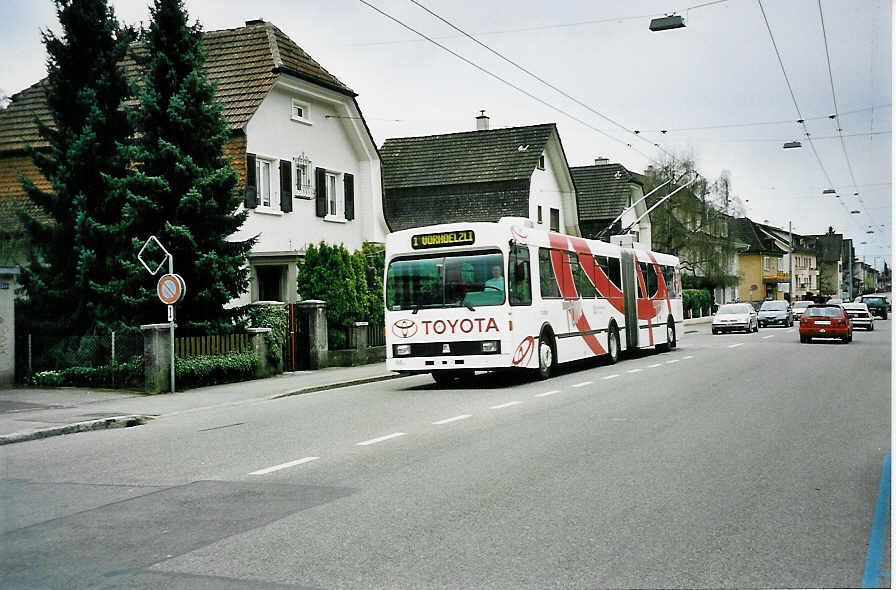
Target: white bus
(467,297)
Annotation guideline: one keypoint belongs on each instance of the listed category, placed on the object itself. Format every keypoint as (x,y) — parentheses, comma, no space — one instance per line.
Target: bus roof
(475,235)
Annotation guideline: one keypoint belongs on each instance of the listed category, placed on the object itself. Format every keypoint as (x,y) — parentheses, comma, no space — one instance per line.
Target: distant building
(760,263)
(829,254)
(805,268)
(480,175)
(605,190)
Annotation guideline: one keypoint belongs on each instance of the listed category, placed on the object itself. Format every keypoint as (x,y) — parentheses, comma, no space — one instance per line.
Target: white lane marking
(688,357)
(380,439)
(655,365)
(769,336)
(284,465)
(735,345)
(454,419)
(613,376)
(547,393)
(507,405)
(583,383)
(672,361)
(635,370)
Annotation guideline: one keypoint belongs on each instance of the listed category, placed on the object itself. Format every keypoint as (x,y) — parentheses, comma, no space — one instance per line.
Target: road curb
(361,381)
(101,424)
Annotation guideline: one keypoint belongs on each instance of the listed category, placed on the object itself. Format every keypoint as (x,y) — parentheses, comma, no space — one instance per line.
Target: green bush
(695,300)
(197,371)
(329,273)
(273,317)
(120,375)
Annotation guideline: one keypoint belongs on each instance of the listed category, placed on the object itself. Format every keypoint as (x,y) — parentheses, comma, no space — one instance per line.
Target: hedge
(273,317)
(197,371)
(128,375)
(696,300)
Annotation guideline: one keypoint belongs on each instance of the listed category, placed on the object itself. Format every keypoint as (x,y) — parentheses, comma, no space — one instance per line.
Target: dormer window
(541,162)
(299,112)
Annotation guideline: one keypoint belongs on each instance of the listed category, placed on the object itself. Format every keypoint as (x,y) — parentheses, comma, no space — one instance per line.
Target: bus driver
(497,280)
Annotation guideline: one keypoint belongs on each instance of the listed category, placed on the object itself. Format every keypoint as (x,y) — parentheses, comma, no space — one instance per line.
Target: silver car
(860,315)
(799,307)
(735,316)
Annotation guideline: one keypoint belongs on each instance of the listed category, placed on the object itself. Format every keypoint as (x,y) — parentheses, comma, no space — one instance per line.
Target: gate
(297,356)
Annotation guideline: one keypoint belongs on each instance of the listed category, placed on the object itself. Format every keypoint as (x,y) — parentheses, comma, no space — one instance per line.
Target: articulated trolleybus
(467,297)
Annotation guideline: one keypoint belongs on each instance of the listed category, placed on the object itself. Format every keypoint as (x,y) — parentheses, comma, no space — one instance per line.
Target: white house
(310,165)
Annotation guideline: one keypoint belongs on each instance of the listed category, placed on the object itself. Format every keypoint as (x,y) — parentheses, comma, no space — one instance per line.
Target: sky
(716,86)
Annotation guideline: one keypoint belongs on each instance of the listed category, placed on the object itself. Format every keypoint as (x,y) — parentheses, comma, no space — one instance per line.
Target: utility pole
(790,260)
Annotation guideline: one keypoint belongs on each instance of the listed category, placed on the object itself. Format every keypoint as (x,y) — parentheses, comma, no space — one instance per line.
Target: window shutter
(285,186)
(320,185)
(349,181)
(251,183)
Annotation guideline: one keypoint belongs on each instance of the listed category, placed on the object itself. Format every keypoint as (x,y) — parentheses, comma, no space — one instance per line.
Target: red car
(825,321)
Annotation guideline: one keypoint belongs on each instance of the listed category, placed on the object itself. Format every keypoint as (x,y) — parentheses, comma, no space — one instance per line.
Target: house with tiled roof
(760,263)
(829,251)
(299,142)
(805,265)
(603,192)
(480,175)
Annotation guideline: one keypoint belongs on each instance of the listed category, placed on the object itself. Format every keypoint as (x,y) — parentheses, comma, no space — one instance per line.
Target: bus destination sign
(444,238)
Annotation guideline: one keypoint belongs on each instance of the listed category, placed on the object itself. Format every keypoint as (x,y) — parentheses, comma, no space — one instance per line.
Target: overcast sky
(720,71)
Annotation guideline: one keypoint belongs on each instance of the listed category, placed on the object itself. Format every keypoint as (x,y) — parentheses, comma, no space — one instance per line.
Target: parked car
(775,313)
(877,304)
(860,315)
(799,307)
(825,321)
(735,316)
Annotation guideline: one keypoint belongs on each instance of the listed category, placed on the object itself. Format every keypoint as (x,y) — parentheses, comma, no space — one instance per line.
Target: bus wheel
(545,357)
(671,343)
(613,345)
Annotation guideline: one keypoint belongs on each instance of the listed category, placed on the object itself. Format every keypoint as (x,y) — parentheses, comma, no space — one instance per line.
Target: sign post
(170,289)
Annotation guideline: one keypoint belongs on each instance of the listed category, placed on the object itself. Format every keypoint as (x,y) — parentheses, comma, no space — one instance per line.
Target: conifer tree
(183,190)
(85,89)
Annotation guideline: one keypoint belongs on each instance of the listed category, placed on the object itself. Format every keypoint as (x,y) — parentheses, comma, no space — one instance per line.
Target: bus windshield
(469,279)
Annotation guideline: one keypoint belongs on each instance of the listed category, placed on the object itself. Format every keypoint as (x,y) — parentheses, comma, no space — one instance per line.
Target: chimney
(482,121)
(601,161)
(258,21)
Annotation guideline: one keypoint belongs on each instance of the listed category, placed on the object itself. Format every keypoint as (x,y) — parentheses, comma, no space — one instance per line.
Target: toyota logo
(523,351)
(404,328)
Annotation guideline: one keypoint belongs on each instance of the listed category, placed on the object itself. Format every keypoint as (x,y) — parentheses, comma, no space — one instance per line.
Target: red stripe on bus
(559,245)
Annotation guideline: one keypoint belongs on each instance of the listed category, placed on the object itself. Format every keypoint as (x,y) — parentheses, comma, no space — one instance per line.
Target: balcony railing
(775,276)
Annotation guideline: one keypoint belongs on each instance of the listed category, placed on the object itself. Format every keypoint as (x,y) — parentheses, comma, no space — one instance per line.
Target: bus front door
(629,292)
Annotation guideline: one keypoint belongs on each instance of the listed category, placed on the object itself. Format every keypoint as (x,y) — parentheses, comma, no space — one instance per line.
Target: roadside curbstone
(339,385)
(87,426)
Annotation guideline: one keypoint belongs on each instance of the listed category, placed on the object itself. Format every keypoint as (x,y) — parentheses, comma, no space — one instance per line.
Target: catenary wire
(500,79)
(539,78)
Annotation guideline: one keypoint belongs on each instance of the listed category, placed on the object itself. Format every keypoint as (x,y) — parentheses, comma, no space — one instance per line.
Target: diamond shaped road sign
(153,240)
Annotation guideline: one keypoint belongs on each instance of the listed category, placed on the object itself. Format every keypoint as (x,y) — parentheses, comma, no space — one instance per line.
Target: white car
(860,315)
(799,307)
(735,316)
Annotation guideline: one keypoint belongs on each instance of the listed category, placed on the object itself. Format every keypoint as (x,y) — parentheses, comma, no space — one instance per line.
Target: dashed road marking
(613,376)
(507,405)
(380,439)
(284,465)
(735,345)
(769,336)
(688,357)
(653,366)
(547,393)
(583,383)
(635,370)
(672,361)
(453,419)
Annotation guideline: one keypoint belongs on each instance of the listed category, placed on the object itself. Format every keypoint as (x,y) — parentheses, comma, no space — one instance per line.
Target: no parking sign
(171,288)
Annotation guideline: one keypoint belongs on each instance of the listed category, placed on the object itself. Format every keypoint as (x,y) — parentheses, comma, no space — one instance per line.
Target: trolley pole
(789,259)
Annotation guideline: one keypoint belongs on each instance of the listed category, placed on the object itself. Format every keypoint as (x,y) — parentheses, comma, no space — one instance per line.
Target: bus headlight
(402,349)
(490,346)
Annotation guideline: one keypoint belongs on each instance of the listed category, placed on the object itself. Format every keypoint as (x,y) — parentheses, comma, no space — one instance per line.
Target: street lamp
(792,144)
(668,22)
(829,191)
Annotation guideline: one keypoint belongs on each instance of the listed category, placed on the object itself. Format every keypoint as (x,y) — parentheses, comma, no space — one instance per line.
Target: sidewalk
(27,413)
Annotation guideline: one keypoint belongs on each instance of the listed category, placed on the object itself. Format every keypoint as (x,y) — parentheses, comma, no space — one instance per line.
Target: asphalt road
(734,461)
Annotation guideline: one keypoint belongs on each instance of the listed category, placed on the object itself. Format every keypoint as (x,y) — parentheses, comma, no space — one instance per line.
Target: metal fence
(37,351)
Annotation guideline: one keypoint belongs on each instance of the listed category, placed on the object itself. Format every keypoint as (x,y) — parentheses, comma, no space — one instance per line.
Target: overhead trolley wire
(539,78)
(500,79)
(796,105)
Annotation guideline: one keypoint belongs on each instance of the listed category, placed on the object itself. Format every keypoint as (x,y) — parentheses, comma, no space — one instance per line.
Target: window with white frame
(263,178)
(335,208)
(303,173)
(299,111)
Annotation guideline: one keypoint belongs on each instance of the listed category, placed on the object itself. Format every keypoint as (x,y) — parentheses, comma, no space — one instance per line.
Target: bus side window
(547,280)
(642,268)
(615,273)
(668,277)
(651,280)
(583,286)
(519,278)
